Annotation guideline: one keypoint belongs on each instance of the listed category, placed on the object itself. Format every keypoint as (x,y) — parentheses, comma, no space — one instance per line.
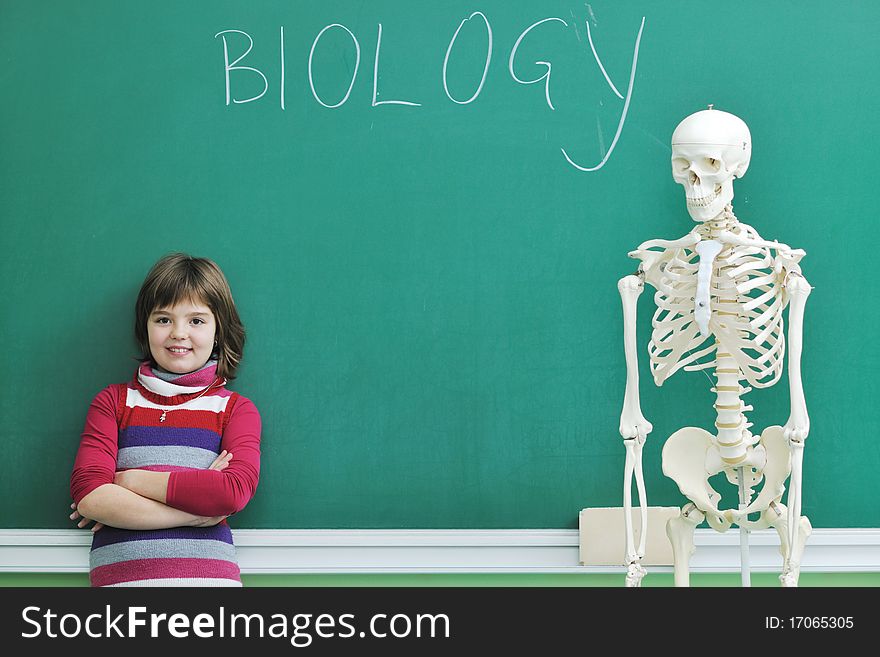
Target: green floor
(512,579)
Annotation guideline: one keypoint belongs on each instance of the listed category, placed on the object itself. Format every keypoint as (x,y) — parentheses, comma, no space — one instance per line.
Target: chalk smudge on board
(592,15)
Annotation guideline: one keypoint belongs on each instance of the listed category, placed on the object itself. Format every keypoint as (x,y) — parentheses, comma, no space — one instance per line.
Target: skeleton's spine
(733,437)
(731,425)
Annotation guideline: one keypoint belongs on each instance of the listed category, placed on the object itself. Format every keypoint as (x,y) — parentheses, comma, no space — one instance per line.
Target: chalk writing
(549,66)
(311,56)
(376,79)
(485,68)
(235,66)
(632,78)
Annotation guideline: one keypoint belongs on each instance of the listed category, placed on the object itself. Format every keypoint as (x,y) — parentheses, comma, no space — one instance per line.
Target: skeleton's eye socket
(680,164)
(712,164)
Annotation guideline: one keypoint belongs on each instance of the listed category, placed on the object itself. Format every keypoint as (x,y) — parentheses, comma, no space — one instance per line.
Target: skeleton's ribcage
(746,302)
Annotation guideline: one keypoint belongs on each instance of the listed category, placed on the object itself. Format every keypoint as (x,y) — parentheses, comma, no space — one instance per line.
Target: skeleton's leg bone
(680,531)
(777,517)
(790,577)
(791,551)
(684,461)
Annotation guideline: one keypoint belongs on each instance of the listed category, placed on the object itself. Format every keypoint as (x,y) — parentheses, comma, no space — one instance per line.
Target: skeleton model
(721,291)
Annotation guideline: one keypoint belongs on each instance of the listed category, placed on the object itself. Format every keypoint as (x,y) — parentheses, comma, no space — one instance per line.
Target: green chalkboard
(427,279)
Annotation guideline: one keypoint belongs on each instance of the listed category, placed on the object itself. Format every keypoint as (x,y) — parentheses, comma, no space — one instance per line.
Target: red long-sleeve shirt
(201,492)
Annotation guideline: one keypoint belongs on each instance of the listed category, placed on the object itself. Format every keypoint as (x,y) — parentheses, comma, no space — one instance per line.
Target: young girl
(166,457)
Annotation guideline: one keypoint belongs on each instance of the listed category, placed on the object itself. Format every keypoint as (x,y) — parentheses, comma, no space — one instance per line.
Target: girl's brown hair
(180,277)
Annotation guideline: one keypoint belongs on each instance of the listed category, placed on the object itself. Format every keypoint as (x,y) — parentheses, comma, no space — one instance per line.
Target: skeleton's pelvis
(684,461)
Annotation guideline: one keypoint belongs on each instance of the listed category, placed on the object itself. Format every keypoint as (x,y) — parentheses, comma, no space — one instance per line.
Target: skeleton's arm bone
(634,429)
(798,426)
(632,422)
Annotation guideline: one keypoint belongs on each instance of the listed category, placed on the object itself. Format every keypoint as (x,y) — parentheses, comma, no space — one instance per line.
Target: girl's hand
(83,520)
(220,463)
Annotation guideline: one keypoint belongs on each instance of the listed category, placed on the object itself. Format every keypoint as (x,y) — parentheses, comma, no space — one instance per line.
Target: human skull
(709,149)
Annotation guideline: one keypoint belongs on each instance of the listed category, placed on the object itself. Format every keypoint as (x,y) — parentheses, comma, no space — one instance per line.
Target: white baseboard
(275,551)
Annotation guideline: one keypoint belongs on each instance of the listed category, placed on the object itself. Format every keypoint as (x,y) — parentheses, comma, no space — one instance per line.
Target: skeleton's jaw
(707,202)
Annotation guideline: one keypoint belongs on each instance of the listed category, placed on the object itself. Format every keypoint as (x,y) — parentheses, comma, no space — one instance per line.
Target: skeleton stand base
(744,499)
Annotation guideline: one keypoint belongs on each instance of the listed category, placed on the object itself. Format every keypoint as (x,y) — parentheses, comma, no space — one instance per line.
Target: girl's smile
(182,336)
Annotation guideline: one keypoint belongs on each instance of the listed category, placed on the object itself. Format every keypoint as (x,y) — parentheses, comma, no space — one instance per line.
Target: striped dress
(164,426)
